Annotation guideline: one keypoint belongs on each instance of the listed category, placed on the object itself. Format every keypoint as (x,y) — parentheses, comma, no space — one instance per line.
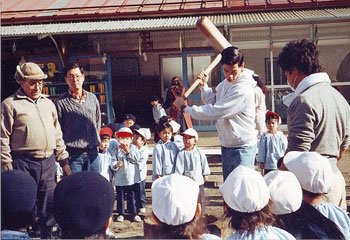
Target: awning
(168,23)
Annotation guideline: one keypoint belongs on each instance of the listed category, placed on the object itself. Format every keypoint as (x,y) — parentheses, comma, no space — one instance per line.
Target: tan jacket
(30,127)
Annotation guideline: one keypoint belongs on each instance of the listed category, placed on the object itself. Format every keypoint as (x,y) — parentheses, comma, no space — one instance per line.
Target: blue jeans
(84,161)
(140,194)
(235,156)
(130,194)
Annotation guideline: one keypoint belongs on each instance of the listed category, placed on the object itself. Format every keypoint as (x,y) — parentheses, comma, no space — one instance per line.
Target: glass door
(194,63)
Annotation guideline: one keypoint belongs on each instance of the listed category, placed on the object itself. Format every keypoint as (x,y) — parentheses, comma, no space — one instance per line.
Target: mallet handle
(208,69)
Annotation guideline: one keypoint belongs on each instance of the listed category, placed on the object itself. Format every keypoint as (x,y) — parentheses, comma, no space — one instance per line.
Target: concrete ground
(209,144)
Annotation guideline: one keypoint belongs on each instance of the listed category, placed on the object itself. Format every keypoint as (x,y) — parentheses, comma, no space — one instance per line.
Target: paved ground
(208,142)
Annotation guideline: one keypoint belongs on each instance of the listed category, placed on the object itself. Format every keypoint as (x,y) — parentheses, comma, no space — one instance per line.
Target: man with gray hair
(31,139)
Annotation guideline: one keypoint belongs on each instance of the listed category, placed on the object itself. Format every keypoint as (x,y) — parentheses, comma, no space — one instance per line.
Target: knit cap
(18,192)
(29,70)
(83,203)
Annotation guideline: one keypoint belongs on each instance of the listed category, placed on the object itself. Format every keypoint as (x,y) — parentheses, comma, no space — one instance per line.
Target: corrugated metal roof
(329,14)
(31,11)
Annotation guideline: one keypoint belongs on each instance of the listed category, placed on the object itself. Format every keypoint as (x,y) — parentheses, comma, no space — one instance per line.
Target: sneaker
(142,210)
(137,218)
(120,218)
(109,233)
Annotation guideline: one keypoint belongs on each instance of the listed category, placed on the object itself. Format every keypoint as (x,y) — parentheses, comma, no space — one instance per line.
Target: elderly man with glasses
(31,139)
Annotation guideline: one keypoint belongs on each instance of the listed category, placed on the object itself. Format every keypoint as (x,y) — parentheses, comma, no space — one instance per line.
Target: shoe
(45,232)
(137,218)
(120,218)
(110,234)
(142,210)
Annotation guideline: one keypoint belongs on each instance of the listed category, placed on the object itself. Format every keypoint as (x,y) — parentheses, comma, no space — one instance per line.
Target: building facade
(130,58)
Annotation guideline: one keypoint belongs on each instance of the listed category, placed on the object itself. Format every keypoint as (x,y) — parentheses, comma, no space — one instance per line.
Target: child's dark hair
(16,221)
(301,54)
(308,223)
(72,66)
(190,230)
(260,84)
(311,194)
(249,222)
(268,118)
(231,56)
(104,137)
(163,126)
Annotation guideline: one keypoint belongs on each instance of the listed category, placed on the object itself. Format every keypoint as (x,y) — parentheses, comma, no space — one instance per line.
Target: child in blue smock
(192,163)
(104,156)
(272,144)
(139,140)
(157,109)
(125,158)
(164,153)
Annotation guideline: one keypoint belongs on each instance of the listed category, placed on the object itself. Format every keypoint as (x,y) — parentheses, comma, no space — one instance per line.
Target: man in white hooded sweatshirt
(233,108)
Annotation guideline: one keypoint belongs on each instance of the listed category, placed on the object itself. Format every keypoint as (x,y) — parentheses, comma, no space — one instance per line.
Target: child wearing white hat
(246,197)
(177,137)
(176,210)
(315,175)
(297,217)
(164,152)
(125,158)
(140,141)
(192,163)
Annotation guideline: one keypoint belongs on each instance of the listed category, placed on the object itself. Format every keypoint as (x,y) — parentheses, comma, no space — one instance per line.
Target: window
(171,65)
(278,75)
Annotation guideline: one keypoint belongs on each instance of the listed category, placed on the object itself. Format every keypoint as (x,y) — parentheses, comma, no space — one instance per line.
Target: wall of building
(256,43)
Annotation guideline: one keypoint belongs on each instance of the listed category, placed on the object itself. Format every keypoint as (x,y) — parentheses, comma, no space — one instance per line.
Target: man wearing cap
(31,138)
(80,118)
(318,115)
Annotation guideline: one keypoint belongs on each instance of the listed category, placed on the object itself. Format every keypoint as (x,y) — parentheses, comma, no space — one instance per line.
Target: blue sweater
(80,123)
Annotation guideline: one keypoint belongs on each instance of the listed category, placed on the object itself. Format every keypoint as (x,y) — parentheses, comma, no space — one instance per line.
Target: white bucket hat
(191,132)
(144,132)
(313,171)
(245,190)
(175,126)
(174,199)
(285,192)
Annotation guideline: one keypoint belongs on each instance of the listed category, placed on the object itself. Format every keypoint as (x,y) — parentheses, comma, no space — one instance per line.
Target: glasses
(72,76)
(39,83)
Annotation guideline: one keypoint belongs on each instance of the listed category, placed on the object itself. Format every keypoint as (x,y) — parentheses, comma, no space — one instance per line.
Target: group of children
(284,204)
(123,156)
